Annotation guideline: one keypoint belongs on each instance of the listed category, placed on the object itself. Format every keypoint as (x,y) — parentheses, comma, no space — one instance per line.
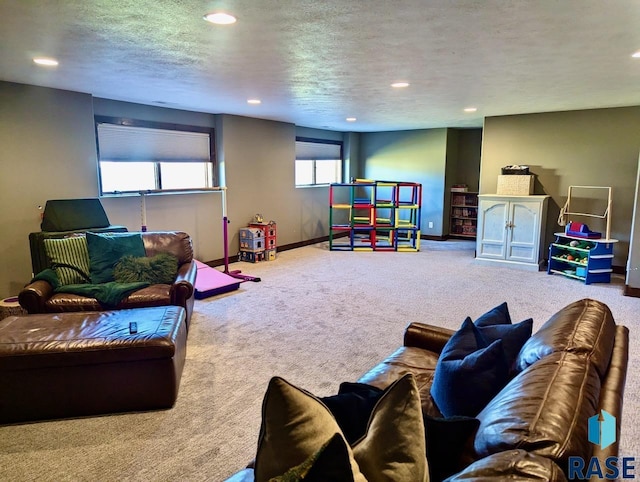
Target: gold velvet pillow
(296,424)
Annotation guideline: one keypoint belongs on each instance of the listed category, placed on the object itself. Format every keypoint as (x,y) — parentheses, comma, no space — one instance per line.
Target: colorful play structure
(368,215)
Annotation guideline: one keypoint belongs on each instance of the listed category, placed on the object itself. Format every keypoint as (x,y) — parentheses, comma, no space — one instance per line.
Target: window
(318,162)
(138,156)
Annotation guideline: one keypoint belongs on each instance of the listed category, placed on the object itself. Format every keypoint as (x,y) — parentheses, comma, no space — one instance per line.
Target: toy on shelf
(580,230)
(368,215)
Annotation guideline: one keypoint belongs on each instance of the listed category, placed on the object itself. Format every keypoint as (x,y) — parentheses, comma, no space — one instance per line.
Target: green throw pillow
(69,258)
(159,269)
(105,250)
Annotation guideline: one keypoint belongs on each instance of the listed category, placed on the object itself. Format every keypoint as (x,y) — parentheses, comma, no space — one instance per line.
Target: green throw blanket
(108,294)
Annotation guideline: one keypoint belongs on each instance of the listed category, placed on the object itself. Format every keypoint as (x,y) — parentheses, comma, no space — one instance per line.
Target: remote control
(133,327)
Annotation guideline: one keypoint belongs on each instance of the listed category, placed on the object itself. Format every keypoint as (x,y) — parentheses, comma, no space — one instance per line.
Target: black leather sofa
(574,366)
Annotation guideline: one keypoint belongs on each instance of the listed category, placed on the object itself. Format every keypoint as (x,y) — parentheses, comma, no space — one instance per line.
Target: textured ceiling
(314,63)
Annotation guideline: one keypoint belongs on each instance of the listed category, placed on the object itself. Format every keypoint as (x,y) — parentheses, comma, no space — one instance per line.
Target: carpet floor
(317,318)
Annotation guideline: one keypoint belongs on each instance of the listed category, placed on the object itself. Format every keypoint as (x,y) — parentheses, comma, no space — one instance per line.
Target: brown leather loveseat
(571,370)
(39,296)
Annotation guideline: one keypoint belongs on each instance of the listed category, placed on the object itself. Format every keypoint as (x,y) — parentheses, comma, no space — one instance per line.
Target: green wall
(437,158)
(412,156)
(596,147)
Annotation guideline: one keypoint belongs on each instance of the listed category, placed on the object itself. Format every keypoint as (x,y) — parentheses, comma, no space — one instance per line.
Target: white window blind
(128,143)
(317,151)
(318,162)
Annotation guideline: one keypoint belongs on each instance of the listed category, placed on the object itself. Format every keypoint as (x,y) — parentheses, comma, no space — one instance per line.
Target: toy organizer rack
(367,215)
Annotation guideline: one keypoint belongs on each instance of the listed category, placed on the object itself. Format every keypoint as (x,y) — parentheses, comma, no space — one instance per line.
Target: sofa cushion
(469,373)
(585,326)
(69,258)
(543,410)
(511,465)
(105,250)
(154,295)
(295,424)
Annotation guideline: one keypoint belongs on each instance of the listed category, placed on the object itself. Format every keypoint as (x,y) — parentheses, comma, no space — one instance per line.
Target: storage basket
(515,185)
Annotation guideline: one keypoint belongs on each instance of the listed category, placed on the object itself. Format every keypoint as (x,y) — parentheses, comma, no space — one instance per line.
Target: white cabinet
(511,230)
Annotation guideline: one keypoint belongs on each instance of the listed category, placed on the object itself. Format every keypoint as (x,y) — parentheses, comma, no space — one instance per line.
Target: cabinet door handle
(509,225)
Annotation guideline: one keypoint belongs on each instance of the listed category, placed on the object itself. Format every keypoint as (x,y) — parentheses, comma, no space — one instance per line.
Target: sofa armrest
(33,296)
(428,337)
(513,464)
(612,390)
(183,287)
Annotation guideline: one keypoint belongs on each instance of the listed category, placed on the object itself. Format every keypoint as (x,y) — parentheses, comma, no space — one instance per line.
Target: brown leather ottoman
(78,364)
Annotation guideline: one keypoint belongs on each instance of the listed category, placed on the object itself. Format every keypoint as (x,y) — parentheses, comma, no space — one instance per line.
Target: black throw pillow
(446,442)
(352,407)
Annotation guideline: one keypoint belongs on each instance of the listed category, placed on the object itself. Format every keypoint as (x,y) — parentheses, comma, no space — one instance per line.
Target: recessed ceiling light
(351,119)
(470,109)
(220,18)
(399,85)
(254,101)
(636,55)
(46,61)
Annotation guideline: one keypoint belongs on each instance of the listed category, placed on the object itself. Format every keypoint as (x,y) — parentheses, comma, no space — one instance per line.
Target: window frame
(129,122)
(320,141)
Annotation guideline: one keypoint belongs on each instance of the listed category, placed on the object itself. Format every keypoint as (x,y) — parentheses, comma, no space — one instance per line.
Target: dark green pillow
(105,250)
(159,269)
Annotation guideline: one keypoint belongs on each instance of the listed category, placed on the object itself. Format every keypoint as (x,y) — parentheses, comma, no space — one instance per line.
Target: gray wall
(49,152)
(633,263)
(412,156)
(259,164)
(591,147)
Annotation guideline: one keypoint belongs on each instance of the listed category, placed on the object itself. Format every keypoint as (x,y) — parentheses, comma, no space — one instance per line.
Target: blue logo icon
(602,429)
